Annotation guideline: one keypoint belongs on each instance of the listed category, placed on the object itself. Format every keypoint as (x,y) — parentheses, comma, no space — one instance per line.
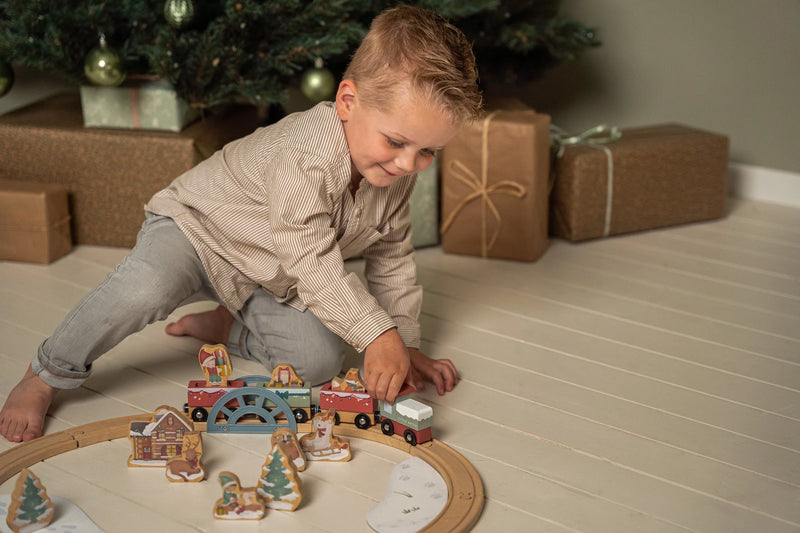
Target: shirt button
(357,212)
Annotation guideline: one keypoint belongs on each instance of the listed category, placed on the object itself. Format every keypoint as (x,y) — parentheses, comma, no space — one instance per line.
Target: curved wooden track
(465,489)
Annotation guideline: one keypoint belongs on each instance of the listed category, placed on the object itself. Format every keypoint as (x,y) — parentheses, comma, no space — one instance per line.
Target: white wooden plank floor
(648,382)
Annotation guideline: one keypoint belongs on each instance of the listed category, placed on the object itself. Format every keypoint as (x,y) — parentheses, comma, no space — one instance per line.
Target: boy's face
(387,144)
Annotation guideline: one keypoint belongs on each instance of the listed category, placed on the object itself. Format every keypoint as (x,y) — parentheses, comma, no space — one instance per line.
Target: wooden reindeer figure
(322,445)
(187,467)
(288,438)
(279,483)
(237,503)
(216,364)
(30,509)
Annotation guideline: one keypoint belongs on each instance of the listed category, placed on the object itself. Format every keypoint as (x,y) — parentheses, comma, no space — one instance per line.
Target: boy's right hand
(386,365)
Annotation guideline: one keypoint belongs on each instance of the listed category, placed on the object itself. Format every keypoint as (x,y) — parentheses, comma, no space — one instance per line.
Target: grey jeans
(161,273)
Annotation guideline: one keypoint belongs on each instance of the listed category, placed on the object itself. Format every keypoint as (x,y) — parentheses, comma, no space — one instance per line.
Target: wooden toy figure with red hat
(237,503)
(216,364)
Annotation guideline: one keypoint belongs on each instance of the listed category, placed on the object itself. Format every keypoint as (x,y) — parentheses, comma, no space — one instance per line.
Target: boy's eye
(428,152)
(393,143)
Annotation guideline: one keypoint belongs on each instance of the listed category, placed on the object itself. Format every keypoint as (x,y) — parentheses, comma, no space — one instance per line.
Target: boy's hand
(386,365)
(441,372)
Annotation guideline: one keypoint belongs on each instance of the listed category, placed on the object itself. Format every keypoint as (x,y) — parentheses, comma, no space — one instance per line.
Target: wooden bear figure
(288,438)
(352,382)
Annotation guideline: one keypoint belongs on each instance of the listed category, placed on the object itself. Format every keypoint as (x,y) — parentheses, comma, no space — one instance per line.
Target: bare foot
(22,416)
(212,326)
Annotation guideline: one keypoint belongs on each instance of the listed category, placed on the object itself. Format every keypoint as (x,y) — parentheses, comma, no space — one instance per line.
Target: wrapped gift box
(650,177)
(495,187)
(34,222)
(148,105)
(110,173)
(425,207)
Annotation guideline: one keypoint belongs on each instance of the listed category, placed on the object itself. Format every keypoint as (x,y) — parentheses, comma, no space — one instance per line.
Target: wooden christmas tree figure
(30,509)
(279,484)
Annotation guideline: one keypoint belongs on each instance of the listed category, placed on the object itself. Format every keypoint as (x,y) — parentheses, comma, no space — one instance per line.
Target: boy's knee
(320,362)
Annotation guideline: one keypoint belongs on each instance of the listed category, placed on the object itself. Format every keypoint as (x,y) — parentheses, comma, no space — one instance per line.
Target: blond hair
(408,48)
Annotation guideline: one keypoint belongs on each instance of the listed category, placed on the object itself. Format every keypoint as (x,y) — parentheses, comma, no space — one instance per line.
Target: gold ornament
(103,65)
(318,83)
(179,13)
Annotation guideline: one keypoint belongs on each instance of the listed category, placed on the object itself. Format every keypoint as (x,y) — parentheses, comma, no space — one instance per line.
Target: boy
(264,225)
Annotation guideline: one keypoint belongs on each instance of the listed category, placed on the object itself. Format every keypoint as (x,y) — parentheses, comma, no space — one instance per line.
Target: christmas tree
(216,52)
(30,508)
(280,483)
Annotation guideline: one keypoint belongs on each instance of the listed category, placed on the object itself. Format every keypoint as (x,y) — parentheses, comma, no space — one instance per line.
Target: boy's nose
(406,162)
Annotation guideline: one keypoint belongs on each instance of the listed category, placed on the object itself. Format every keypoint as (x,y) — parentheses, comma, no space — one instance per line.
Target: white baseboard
(764,184)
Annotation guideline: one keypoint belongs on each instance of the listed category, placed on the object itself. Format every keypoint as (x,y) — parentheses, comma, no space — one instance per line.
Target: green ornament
(179,13)
(318,83)
(103,66)
(6,77)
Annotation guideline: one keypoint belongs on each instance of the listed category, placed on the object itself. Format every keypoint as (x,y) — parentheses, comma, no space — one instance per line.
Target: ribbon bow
(480,190)
(592,137)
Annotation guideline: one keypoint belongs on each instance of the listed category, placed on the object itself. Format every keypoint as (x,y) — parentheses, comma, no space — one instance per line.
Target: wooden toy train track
(465,490)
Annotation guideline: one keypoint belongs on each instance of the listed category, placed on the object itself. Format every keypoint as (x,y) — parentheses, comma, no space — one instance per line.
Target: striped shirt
(273,210)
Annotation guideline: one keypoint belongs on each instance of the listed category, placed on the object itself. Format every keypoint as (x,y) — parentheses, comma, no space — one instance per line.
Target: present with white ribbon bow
(609,182)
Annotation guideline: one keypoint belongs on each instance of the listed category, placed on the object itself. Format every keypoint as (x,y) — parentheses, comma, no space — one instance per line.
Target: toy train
(348,397)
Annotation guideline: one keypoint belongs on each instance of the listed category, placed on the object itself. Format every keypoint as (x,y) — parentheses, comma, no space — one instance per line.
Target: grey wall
(731,66)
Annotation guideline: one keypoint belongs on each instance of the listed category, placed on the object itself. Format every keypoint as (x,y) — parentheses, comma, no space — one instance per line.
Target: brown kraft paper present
(495,187)
(34,222)
(110,173)
(650,177)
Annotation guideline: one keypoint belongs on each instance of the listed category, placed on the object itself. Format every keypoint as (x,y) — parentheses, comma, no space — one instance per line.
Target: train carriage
(407,417)
(352,407)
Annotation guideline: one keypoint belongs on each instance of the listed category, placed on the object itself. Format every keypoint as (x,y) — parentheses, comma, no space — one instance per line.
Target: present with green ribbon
(609,181)
(495,187)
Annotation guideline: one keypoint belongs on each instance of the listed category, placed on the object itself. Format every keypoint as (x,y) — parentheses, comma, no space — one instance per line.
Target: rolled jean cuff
(57,377)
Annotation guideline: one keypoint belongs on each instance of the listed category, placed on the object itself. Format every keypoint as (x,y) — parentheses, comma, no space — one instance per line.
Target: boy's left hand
(441,372)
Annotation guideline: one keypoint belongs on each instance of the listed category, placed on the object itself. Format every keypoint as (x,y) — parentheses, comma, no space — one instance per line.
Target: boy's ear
(345,98)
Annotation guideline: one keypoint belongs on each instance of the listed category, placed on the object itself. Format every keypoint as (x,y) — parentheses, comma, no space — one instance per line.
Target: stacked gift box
(34,222)
(508,182)
(109,173)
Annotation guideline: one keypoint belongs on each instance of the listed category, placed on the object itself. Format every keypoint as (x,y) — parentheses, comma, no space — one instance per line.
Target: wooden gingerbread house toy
(155,442)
